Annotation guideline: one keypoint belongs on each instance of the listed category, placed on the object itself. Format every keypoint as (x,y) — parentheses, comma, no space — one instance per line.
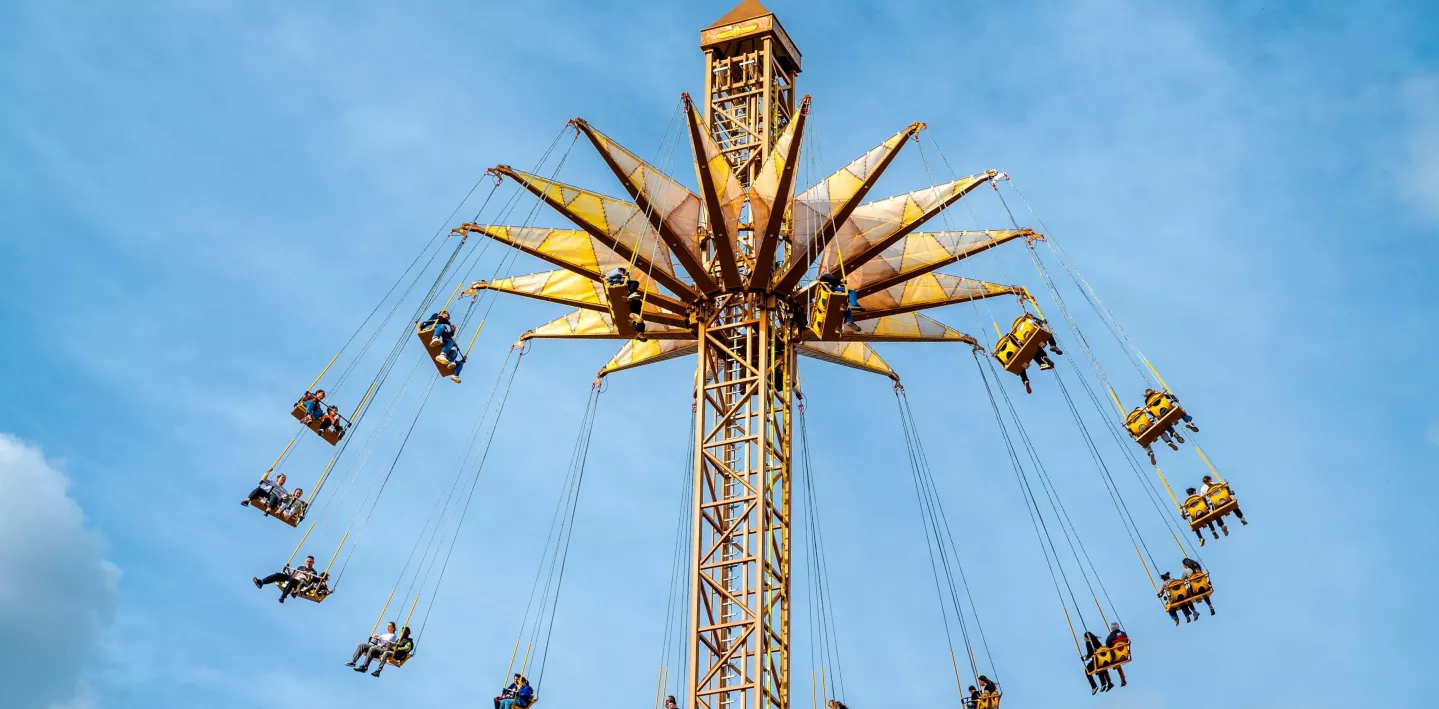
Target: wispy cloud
(1418,166)
(57,597)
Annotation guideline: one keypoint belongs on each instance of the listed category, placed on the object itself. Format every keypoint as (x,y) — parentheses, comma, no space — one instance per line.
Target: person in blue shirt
(836,286)
(314,406)
(443,335)
(524,696)
(443,328)
(509,692)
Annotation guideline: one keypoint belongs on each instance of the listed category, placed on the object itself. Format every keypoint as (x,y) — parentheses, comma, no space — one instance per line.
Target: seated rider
(1191,568)
(510,691)
(374,648)
(399,650)
(524,696)
(289,579)
(1091,646)
(987,686)
(851,304)
(1039,356)
(314,407)
(439,326)
(293,505)
(331,421)
(1206,484)
(1116,638)
(1199,531)
(972,700)
(1167,592)
(444,336)
(271,492)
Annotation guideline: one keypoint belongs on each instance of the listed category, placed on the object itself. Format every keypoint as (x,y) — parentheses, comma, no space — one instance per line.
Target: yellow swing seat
(1166,411)
(988,701)
(400,662)
(827,312)
(1140,425)
(331,436)
(618,295)
(284,514)
(426,334)
(1025,339)
(1203,510)
(1199,586)
(316,595)
(1177,594)
(1109,657)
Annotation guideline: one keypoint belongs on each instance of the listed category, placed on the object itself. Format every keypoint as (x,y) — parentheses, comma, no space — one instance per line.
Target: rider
(851,304)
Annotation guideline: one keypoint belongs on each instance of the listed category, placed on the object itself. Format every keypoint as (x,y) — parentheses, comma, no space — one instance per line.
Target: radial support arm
(932,290)
(820,210)
(671,209)
(617,224)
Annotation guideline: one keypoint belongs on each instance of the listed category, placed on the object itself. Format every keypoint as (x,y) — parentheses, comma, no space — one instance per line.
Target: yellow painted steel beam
(671,209)
(921,253)
(855,355)
(724,196)
(875,226)
(770,194)
(932,290)
(616,223)
(820,210)
(595,325)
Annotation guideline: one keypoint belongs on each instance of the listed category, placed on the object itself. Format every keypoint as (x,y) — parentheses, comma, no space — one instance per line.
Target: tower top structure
(750,67)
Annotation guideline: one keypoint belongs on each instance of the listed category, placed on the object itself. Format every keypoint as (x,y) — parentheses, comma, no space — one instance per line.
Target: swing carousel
(765,259)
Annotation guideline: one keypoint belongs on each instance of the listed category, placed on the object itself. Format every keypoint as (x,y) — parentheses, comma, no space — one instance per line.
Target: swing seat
(619,295)
(1141,426)
(1165,410)
(1025,339)
(1205,510)
(426,334)
(330,435)
(293,519)
(313,595)
(400,662)
(1108,658)
(1199,586)
(827,313)
(988,701)
(1177,595)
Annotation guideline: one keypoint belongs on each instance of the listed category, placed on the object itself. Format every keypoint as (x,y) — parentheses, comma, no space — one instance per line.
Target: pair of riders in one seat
(1092,645)
(1173,586)
(305,581)
(1201,496)
(326,417)
(443,336)
(384,647)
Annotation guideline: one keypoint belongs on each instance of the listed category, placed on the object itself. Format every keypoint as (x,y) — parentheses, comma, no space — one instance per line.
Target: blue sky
(198,201)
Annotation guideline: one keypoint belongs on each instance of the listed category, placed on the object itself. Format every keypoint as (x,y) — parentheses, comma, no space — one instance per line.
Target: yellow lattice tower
(720,275)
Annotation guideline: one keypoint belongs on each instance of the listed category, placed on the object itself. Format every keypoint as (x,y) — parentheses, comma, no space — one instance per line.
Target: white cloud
(1419,166)
(57,591)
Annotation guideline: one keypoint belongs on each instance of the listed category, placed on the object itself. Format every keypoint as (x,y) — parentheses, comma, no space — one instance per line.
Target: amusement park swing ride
(749,272)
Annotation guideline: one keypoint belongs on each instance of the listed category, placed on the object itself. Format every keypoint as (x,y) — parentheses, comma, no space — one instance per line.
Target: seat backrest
(1024,326)
(1199,583)
(1121,652)
(1195,507)
(1138,421)
(1159,403)
(1219,495)
(1103,655)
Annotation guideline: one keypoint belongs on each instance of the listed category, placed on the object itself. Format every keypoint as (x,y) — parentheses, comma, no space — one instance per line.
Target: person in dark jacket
(509,692)
(524,696)
(289,579)
(1118,637)
(272,492)
(1092,644)
(1191,567)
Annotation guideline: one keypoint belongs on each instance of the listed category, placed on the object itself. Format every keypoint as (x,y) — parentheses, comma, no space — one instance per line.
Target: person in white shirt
(1207,483)
(373,648)
(271,491)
